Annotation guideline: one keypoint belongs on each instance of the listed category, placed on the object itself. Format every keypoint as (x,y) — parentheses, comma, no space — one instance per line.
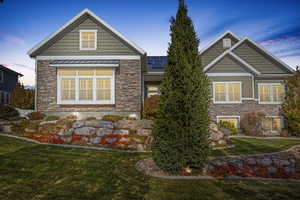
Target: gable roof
(32,51)
(2,67)
(230,52)
(219,38)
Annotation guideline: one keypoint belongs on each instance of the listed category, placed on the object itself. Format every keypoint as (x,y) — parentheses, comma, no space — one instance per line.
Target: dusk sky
(275,24)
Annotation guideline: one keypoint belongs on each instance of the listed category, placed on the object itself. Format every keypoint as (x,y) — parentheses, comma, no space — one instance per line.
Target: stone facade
(241,109)
(128,94)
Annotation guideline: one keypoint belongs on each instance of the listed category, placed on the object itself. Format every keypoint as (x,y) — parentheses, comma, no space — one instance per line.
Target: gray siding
(246,83)
(257,59)
(227,65)
(9,82)
(215,50)
(107,42)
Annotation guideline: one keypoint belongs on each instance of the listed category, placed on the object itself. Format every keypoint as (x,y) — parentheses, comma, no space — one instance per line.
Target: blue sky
(275,24)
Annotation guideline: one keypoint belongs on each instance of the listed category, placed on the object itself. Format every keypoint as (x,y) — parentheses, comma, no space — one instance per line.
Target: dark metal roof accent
(157,61)
(84,62)
(10,70)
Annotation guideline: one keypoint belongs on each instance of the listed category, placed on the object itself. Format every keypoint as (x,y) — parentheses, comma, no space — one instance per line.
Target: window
(1,97)
(271,93)
(85,86)
(1,76)
(226,43)
(88,39)
(152,90)
(273,123)
(227,92)
(235,120)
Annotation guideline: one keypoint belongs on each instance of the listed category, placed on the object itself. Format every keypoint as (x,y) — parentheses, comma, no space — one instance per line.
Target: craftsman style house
(89,68)
(8,82)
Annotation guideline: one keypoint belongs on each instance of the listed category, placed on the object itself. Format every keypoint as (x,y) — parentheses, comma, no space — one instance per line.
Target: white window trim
(271,91)
(1,76)
(86,102)
(80,39)
(230,116)
(227,102)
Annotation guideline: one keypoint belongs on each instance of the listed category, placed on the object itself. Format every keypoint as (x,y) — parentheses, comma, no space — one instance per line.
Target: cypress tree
(181,128)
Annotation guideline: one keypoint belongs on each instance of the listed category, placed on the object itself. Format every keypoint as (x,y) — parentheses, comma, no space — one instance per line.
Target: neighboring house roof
(230,52)
(36,48)
(9,70)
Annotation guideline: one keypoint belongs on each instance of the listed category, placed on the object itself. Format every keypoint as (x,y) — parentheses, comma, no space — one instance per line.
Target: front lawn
(31,171)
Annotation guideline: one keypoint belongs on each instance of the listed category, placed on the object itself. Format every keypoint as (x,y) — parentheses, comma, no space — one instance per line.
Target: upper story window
(270,93)
(227,92)
(1,76)
(85,86)
(88,39)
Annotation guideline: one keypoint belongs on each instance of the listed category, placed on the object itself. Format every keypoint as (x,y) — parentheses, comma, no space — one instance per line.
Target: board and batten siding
(216,50)
(227,65)
(257,59)
(247,86)
(107,42)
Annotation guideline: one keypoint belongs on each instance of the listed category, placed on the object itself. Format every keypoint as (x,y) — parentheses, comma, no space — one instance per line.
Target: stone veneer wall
(127,91)
(243,108)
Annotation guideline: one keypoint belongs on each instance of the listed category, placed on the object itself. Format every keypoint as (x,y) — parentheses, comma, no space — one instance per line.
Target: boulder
(140,147)
(216,136)
(124,139)
(95,140)
(106,124)
(111,140)
(121,132)
(94,123)
(103,131)
(144,132)
(265,161)
(63,132)
(66,138)
(86,131)
(6,128)
(134,124)
(79,124)
(272,170)
(213,127)
(29,130)
(48,122)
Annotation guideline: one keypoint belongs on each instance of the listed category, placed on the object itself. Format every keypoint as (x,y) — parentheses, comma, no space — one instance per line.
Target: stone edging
(262,137)
(209,177)
(73,146)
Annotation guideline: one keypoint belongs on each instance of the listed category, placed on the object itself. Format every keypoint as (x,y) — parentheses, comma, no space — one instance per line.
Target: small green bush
(112,118)
(8,112)
(151,107)
(36,116)
(52,118)
(90,118)
(229,126)
(71,117)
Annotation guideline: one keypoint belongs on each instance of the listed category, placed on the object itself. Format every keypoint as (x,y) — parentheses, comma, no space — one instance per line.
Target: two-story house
(89,68)
(8,81)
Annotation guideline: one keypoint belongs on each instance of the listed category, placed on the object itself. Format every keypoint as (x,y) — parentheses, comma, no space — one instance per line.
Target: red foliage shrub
(151,107)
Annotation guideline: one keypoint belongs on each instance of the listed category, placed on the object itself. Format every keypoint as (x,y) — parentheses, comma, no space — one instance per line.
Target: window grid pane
(85,89)
(265,93)
(88,40)
(278,93)
(234,93)
(220,92)
(68,89)
(103,86)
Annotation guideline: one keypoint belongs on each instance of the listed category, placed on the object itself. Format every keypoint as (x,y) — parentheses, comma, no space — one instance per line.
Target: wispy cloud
(12,39)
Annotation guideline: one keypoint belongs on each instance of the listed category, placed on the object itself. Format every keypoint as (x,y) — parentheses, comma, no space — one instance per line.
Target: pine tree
(181,129)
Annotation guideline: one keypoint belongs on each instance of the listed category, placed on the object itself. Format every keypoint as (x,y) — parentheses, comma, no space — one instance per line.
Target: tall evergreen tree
(181,129)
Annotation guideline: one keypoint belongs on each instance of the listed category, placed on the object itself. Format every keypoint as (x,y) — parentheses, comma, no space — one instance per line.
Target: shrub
(90,118)
(71,117)
(112,118)
(8,112)
(36,116)
(151,107)
(19,128)
(52,118)
(291,105)
(252,124)
(229,126)
(22,98)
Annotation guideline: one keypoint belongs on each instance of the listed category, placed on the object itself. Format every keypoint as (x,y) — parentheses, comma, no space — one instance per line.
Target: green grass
(35,172)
